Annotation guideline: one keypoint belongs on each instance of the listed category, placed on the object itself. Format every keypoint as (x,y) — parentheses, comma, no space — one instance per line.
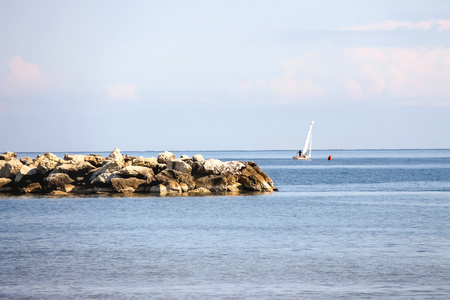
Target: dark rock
(128,185)
(253,181)
(173,175)
(58,181)
(26,161)
(33,187)
(7,156)
(214,183)
(78,169)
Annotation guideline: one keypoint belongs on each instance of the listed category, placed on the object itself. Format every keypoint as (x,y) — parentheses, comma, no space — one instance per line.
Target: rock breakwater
(117,173)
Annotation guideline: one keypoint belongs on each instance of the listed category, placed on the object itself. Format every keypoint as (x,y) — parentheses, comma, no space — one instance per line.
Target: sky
(224,75)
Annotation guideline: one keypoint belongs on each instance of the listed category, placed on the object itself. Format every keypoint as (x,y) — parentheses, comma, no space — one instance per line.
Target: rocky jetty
(164,175)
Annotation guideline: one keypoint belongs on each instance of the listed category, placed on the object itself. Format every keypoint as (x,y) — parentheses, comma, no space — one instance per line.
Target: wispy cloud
(398,73)
(410,76)
(296,81)
(25,79)
(442,25)
(122,91)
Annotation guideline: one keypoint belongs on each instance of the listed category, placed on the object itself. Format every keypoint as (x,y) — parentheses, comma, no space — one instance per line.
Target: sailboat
(305,154)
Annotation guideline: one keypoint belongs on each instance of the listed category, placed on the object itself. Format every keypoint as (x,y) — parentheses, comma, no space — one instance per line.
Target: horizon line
(237,150)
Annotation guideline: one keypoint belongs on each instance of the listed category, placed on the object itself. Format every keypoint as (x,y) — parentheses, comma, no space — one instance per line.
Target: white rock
(25,171)
(165,157)
(198,157)
(179,165)
(135,171)
(150,162)
(104,178)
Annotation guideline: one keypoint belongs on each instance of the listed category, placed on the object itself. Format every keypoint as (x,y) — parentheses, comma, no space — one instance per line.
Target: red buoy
(329,157)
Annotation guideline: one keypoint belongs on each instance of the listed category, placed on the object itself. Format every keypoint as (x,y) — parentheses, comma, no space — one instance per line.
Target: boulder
(34,187)
(214,183)
(150,162)
(263,174)
(5,185)
(110,167)
(169,175)
(74,158)
(94,159)
(158,189)
(211,166)
(26,161)
(115,155)
(165,157)
(37,160)
(184,157)
(173,187)
(2,164)
(253,181)
(136,171)
(128,185)
(184,187)
(11,168)
(24,172)
(7,156)
(236,187)
(79,169)
(58,181)
(47,163)
(4,181)
(198,157)
(179,165)
(103,178)
(215,166)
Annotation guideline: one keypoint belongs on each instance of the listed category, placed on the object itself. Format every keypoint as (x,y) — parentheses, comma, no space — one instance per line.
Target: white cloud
(289,87)
(25,79)
(122,91)
(393,25)
(401,73)
(296,80)
(443,24)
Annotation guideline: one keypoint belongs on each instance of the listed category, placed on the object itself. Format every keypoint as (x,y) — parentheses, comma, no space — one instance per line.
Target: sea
(367,224)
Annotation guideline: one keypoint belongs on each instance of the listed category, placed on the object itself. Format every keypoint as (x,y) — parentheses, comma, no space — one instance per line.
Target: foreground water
(367,224)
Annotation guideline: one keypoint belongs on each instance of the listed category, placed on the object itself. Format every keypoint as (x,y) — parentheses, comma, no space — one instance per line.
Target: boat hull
(302,157)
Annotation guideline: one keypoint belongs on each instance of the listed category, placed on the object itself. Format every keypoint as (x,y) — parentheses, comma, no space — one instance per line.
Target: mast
(308,140)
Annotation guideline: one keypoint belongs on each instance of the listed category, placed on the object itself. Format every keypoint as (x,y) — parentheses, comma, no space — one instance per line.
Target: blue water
(366,225)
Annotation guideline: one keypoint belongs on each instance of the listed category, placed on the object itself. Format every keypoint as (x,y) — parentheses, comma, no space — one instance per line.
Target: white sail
(305,153)
(308,140)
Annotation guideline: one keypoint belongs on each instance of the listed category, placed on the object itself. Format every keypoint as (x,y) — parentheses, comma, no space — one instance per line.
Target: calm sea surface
(371,224)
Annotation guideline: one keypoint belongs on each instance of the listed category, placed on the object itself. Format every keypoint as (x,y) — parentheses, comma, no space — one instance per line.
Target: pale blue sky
(212,75)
